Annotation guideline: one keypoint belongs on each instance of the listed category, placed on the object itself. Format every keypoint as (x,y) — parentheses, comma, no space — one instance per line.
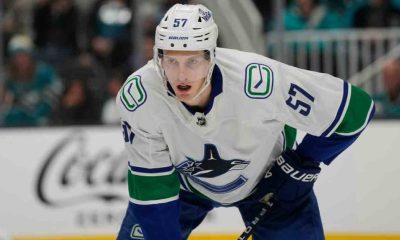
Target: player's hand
(291,178)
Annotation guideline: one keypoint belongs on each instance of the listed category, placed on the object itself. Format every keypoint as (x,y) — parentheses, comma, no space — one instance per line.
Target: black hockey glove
(291,179)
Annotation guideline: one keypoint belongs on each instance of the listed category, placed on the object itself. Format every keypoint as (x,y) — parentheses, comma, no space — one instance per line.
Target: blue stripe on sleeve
(150,170)
(340,110)
(324,149)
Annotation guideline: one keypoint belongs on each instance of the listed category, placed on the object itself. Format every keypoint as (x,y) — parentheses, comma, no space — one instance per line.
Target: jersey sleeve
(331,111)
(318,103)
(152,179)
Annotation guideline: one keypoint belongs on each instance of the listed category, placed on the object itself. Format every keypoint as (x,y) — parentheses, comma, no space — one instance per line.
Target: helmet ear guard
(186,28)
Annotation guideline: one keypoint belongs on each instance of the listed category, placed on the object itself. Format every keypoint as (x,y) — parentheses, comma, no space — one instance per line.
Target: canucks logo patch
(137,232)
(133,94)
(212,165)
(259,81)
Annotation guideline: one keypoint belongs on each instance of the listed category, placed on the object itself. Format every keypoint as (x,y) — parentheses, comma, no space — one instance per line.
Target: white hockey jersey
(223,152)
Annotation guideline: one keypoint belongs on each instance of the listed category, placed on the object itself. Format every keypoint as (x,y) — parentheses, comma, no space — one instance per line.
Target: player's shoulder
(243,58)
(252,74)
(139,96)
(247,64)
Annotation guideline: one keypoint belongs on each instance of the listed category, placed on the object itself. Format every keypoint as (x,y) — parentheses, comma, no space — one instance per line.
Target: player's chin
(184,97)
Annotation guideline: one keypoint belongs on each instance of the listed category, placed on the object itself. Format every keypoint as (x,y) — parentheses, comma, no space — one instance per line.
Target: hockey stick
(268,204)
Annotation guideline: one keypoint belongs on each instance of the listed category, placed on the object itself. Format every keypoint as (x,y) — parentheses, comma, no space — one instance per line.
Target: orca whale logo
(212,164)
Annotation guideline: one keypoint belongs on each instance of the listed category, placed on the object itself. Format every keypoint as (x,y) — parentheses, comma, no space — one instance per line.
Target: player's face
(186,72)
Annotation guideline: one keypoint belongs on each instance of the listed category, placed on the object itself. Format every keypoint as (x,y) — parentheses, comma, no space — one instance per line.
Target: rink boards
(61,183)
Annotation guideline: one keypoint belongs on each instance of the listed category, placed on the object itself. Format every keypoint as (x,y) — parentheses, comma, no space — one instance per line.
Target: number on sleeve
(127,132)
(304,108)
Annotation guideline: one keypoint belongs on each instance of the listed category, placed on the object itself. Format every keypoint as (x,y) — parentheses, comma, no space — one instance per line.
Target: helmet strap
(207,81)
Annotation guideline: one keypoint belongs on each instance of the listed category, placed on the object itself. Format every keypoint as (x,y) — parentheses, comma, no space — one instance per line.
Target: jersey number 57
(294,100)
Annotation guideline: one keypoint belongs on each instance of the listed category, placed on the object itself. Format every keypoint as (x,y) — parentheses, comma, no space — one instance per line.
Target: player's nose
(182,74)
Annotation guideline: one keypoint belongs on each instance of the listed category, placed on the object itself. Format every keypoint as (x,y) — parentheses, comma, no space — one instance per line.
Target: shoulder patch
(133,94)
(259,81)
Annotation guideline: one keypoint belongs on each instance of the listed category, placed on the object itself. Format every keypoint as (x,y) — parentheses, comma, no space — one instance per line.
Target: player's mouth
(184,87)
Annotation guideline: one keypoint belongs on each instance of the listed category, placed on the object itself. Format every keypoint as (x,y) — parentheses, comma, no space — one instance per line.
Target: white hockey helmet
(186,28)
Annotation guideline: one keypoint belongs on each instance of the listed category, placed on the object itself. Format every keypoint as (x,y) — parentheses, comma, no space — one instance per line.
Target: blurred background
(62,63)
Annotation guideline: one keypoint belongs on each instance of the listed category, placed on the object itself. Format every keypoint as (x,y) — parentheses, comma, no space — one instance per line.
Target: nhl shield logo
(259,81)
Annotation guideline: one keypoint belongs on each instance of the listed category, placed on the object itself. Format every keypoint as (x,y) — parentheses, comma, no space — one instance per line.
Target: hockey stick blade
(268,204)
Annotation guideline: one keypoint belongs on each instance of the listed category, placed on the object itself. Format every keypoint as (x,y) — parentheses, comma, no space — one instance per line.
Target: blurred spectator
(388,103)
(86,67)
(310,14)
(75,105)
(31,87)
(110,32)
(147,52)
(110,113)
(3,101)
(16,19)
(377,14)
(150,14)
(346,8)
(55,26)
(396,3)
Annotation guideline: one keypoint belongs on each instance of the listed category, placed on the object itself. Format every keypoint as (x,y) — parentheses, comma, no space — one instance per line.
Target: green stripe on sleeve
(357,113)
(146,188)
(290,136)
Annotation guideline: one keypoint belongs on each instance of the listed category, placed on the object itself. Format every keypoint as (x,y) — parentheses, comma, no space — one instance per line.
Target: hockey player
(211,127)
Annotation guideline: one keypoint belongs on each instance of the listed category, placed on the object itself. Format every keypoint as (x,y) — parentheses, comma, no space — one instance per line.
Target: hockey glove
(291,179)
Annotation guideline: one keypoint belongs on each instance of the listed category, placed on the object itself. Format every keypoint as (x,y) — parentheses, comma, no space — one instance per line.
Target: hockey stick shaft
(250,228)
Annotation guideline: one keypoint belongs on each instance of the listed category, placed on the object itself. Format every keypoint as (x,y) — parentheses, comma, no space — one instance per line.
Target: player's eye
(171,61)
(192,63)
